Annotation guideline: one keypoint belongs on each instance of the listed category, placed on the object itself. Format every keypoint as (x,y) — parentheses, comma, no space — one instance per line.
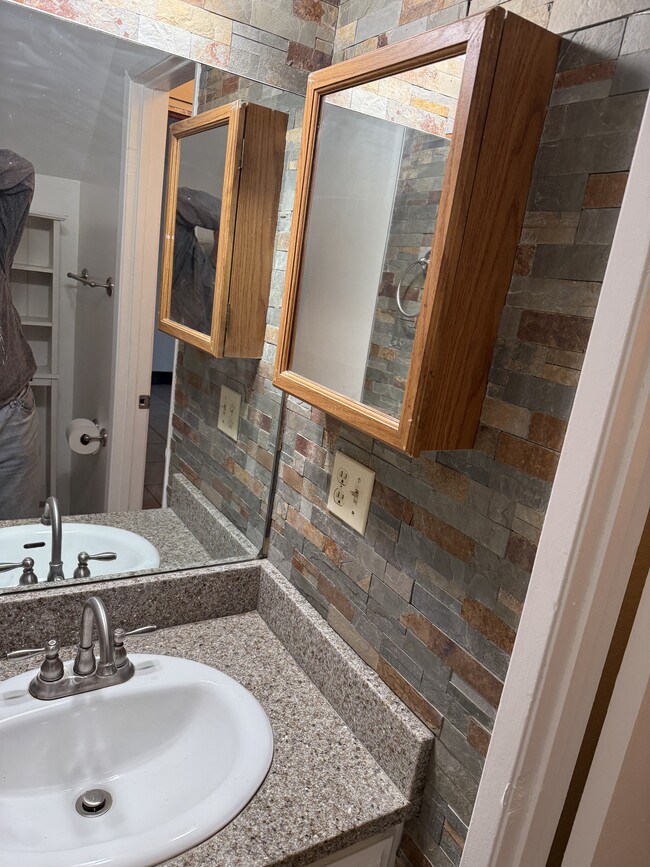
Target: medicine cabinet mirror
(414,171)
(221,205)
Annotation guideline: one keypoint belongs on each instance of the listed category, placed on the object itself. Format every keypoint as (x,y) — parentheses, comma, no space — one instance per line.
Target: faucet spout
(52,517)
(94,613)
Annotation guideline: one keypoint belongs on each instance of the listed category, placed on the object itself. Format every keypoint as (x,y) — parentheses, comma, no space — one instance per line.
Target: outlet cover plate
(351,492)
(229,405)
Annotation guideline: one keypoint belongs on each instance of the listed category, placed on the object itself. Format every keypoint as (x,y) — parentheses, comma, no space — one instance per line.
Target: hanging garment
(17,365)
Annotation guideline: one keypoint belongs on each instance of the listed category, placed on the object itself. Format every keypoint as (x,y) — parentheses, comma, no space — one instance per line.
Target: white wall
(95,312)
(61,196)
(358,162)
(612,824)
(625,835)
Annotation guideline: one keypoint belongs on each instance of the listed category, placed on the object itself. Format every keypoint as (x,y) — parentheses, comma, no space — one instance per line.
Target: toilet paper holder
(102,438)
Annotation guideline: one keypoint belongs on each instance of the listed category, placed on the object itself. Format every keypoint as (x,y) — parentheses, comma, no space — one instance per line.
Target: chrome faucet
(52,517)
(95,613)
(54,680)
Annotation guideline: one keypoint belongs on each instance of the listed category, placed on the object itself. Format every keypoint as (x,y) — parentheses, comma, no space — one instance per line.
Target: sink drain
(94,802)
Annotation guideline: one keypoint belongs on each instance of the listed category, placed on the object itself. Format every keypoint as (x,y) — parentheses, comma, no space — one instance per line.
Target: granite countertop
(324,791)
(176,544)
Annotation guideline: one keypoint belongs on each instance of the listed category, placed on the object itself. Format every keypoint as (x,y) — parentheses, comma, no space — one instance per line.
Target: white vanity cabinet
(378,851)
(35,282)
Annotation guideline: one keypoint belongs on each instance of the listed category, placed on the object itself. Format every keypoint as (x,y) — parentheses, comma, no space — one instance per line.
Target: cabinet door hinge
(227,316)
(241,158)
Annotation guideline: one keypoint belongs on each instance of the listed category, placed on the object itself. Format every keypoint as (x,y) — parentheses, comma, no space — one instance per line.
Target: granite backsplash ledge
(172,599)
(386,727)
(219,536)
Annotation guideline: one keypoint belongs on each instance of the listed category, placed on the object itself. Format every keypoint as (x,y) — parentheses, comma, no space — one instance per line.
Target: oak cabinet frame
(249,210)
(507,78)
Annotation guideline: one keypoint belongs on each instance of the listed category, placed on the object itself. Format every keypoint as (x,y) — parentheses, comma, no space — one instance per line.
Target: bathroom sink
(35,540)
(176,753)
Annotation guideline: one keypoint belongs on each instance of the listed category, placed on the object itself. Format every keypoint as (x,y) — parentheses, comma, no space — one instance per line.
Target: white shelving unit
(35,287)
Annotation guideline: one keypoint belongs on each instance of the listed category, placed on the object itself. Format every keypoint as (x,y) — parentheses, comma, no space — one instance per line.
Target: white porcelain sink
(181,749)
(133,552)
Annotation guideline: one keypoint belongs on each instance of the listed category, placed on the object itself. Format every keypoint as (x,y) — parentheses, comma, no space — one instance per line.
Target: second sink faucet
(52,517)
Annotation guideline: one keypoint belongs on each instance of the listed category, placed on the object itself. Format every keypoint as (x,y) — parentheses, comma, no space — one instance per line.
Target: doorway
(181,103)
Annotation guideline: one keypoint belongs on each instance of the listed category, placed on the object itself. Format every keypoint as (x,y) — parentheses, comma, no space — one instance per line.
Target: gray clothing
(17,365)
(193,275)
(19,461)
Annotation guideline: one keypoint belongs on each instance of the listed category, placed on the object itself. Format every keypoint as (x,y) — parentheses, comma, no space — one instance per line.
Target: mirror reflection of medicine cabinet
(414,171)
(221,207)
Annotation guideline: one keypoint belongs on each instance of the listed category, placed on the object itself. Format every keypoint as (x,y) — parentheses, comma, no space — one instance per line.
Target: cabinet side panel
(257,215)
(460,351)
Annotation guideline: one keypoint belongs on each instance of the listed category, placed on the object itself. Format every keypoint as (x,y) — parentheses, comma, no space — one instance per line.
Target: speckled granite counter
(176,544)
(349,756)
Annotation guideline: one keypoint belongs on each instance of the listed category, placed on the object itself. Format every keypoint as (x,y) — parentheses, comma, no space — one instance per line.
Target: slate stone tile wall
(276,41)
(431,597)
(410,237)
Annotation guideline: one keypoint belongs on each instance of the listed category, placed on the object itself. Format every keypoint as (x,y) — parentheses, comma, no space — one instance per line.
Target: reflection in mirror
(67,113)
(235,476)
(379,169)
(196,234)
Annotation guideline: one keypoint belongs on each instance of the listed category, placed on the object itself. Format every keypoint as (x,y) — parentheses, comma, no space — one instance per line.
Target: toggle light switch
(351,492)
(229,406)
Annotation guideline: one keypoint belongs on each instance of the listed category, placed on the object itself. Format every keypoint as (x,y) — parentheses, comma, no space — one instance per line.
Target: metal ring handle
(423,262)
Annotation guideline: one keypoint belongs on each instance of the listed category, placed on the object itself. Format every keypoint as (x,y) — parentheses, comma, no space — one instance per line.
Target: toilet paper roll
(76,429)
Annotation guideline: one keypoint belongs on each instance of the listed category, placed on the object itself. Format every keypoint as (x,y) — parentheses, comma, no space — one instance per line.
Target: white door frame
(593,525)
(137,277)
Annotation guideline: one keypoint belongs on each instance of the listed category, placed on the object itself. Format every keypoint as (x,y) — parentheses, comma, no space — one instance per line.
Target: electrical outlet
(351,492)
(229,404)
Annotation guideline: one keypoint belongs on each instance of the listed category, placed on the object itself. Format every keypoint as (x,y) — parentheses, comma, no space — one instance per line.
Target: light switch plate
(229,405)
(351,492)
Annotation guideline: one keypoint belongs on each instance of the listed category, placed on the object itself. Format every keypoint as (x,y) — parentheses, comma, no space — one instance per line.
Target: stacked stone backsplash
(276,41)
(417,197)
(431,597)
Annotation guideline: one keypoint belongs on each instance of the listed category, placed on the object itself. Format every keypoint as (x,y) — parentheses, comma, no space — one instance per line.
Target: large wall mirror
(123,447)
(412,163)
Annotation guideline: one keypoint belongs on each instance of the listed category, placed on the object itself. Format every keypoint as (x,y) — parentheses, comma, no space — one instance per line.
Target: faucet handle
(141,630)
(25,653)
(118,642)
(28,576)
(51,667)
(84,556)
(7,567)
(82,570)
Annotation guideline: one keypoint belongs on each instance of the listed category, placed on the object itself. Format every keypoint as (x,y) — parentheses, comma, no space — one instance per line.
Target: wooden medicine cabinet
(414,171)
(220,216)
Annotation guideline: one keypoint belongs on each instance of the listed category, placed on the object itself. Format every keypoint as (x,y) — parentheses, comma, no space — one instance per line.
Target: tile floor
(156,439)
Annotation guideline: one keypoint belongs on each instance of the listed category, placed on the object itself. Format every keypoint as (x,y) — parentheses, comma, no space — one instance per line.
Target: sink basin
(35,541)
(181,748)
